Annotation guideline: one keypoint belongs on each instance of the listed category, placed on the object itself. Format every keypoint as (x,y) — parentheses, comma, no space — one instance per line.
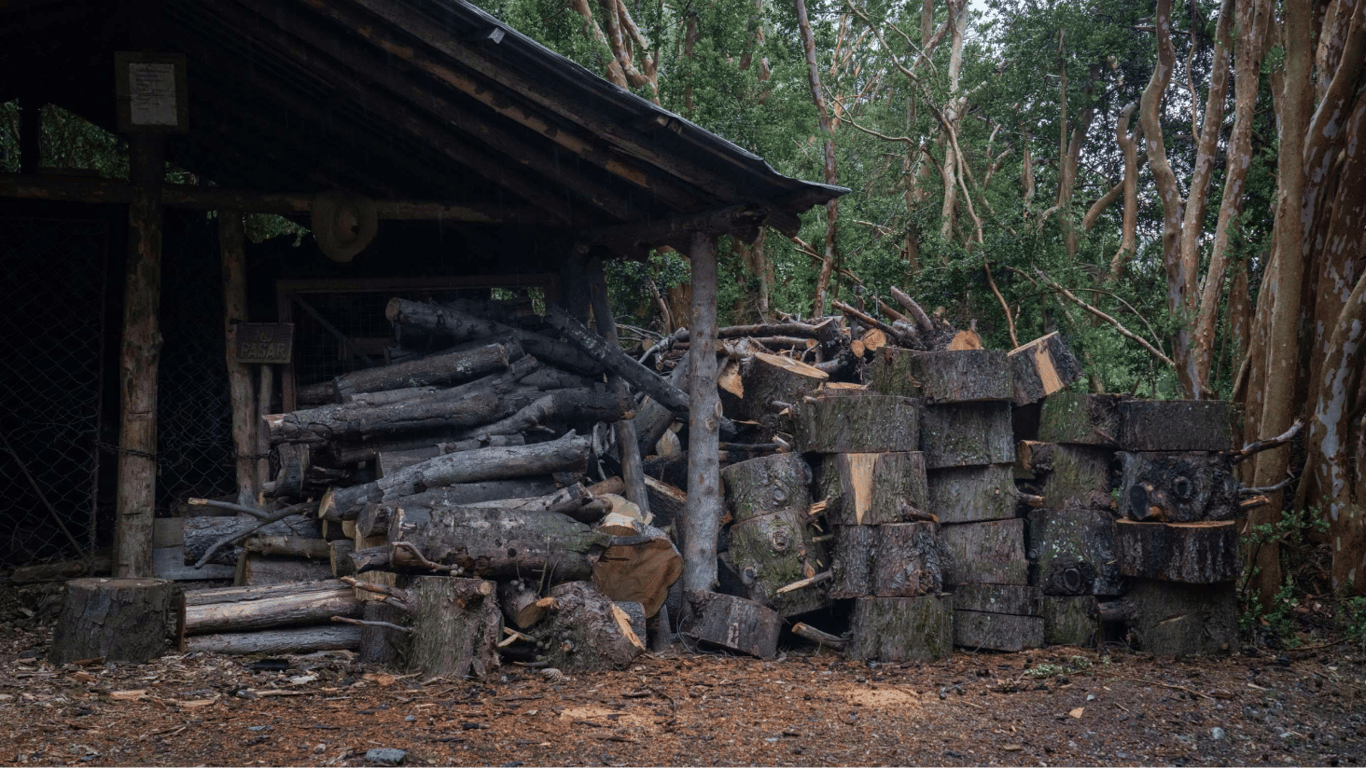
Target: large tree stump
(1071,620)
(1042,367)
(247,609)
(462,364)
(998,598)
(851,564)
(772,551)
(986,553)
(456,627)
(1183,619)
(967,434)
(1079,476)
(730,622)
(1177,425)
(901,628)
(1191,553)
(769,384)
(273,642)
(383,645)
(1072,552)
(997,631)
(497,543)
(120,620)
(963,376)
(767,484)
(863,423)
(1082,419)
(972,494)
(587,631)
(873,488)
(1178,487)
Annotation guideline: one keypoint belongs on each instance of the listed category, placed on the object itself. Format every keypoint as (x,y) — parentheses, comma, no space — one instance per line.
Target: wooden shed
(487,159)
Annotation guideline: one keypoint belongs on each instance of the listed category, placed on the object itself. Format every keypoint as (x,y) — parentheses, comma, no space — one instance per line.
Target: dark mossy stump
(963,376)
(732,623)
(772,551)
(1071,620)
(1172,619)
(1191,553)
(998,598)
(967,434)
(1178,425)
(901,628)
(767,484)
(889,373)
(997,631)
(986,553)
(1073,552)
(908,560)
(1042,367)
(1178,487)
(771,383)
(873,488)
(1079,476)
(456,627)
(387,646)
(120,620)
(587,631)
(1080,419)
(863,423)
(972,494)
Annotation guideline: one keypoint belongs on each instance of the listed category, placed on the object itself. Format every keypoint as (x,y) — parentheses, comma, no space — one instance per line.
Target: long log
(454,322)
(473,494)
(452,367)
(273,642)
(628,446)
(569,453)
(494,542)
(445,443)
(616,361)
(288,546)
(201,533)
(588,405)
(274,606)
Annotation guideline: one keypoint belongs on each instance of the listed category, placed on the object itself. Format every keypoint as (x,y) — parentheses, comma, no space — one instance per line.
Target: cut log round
(908,561)
(495,542)
(456,627)
(1073,552)
(874,488)
(890,372)
(767,379)
(998,598)
(986,553)
(1191,553)
(121,620)
(997,631)
(380,644)
(1079,476)
(277,606)
(767,484)
(772,551)
(1071,620)
(588,632)
(1177,425)
(963,376)
(452,367)
(522,605)
(639,572)
(1042,367)
(1178,487)
(733,623)
(1073,417)
(1172,619)
(966,434)
(901,628)
(852,562)
(273,642)
(972,494)
(858,423)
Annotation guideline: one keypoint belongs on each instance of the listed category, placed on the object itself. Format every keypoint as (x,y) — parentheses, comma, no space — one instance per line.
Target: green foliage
(1291,533)
(1354,623)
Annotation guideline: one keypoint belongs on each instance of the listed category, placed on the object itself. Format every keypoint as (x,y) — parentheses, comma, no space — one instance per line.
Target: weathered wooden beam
(705,504)
(232,250)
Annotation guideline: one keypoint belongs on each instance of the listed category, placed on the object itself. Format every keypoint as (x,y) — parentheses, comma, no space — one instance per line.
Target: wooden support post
(574,292)
(703,518)
(628,446)
(263,407)
(30,135)
(138,361)
(231,245)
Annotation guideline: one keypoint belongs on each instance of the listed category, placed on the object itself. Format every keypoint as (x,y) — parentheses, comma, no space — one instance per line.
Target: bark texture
(122,620)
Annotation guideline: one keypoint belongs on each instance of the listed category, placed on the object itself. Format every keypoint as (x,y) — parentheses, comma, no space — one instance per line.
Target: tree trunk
(875,488)
(588,631)
(863,423)
(968,434)
(239,609)
(1178,487)
(733,623)
(456,626)
(275,642)
(900,629)
(119,620)
(972,494)
(705,503)
(1191,553)
(985,553)
(453,367)
(767,484)
(813,76)
(1073,552)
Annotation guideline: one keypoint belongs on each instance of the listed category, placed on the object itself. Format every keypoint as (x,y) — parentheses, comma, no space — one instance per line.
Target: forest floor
(1056,706)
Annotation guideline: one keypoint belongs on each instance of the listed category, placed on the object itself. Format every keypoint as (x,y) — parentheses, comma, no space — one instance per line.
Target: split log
(890,372)
(451,367)
(588,632)
(1073,552)
(453,321)
(274,642)
(908,561)
(667,503)
(1082,419)
(851,562)
(766,379)
(639,572)
(733,623)
(986,553)
(380,644)
(258,570)
(1172,619)
(569,453)
(616,361)
(1079,476)
(1191,553)
(892,629)
(767,484)
(860,423)
(201,533)
(1042,367)
(966,434)
(339,557)
(1178,425)
(997,631)
(963,376)
(874,488)
(521,604)
(288,546)
(771,551)
(971,494)
(238,610)
(494,542)
(122,620)
(1071,620)
(1178,487)
(998,598)
(456,627)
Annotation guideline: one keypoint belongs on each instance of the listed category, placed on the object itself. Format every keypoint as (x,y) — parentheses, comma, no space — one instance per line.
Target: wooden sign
(151,93)
(264,343)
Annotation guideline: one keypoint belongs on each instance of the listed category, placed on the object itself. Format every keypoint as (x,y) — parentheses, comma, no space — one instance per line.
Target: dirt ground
(1058,706)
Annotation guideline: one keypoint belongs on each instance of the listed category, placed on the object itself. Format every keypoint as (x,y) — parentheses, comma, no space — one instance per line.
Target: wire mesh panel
(51,311)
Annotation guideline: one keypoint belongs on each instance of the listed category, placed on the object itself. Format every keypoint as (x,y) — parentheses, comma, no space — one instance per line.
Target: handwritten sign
(264,343)
(150,92)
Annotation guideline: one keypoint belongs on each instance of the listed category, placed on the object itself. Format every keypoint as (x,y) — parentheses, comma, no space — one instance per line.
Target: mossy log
(496,543)
(772,551)
(986,553)
(873,488)
(963,376)
(1178,487)
(1172,619)
(891,629)
(997,631)
(120,620)
(767,484)
(458,365)
(1191,553)
(1079,476)
(1080,419)
(1178,425)
(587,631)
(769,384)
(998,598)
(1042,367)
(731,622)
(972,494)
(456,627)
(1071,620)
(908,560)
(863,423)
(1073,552)
(966,434)
(889,372)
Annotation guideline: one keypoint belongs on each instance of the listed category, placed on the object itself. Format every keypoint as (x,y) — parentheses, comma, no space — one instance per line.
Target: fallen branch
(292,509)
(369,623)
(1266,445)
(259,514)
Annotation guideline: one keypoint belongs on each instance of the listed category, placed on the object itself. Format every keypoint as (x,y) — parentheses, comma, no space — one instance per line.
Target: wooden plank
(997,631)
(986,553)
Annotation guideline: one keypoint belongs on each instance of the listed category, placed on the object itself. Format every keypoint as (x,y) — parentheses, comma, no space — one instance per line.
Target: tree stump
(1178,425)
(770,383)
(863,423)
(998,598)
(901,628)
(1183,619)
(456,627)
(1079,476)
(963,376)
(873,488)
(730,622)
(772,551)
(1073,552)
(1071,620)
(1191,553)
(767,484)
(1080,419)
(1178,487)
(121,620)
(908,561)
(587,631)
(382,645)
(997,631)
(972,494)
(851,564)
(967,434)
(986,553)
(1042,367)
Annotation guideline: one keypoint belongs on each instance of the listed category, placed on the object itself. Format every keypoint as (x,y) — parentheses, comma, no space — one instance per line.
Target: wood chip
(1077,713)
(1012,748)
(128,695)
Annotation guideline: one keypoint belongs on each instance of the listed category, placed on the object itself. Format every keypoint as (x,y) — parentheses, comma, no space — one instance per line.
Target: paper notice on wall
(152,93)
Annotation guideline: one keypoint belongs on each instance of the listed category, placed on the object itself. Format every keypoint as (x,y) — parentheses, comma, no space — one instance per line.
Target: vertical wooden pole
(702,519)
(573,292)
(231,245)
(30,135)
(632,471)
(264,396)
(138,361)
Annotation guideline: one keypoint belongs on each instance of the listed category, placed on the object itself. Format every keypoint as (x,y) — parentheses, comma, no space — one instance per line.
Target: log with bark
(768,384)
(273,642)
(1082,419)
(442,442)
(1042,367)
(998,598)
(889,372)
(1071,620)
(874,488)
(1079,476)
(468,494)
(898,629)
(1178,425)
(616,361)
(1178,487)
(452,321)
(583,406)
(858,423)
(454,366)
(247,609)
(851,561)
(456,626)
(1073,552)
(986,553)
(971,494)
(1173,619)
(962,376)
(288,546)
(521,603)
(966,434)
(997,631)
(587,631)
(201,533)
(730,622)
(383,639)
(1191,553)
(773,550)
(121,620)
(261,570)
(767,484)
